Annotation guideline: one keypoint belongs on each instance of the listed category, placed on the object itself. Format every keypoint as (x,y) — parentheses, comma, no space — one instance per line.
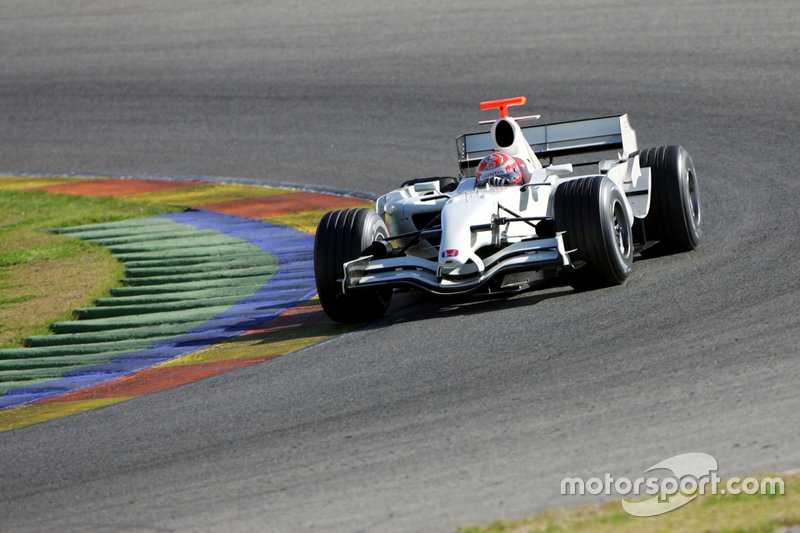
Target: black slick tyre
(341,237)
(591,212)
(674,217)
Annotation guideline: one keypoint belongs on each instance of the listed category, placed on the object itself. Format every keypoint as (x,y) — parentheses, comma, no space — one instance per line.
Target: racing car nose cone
(450,257)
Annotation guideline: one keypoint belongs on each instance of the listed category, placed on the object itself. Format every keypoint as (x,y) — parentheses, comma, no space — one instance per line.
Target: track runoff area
(226,283)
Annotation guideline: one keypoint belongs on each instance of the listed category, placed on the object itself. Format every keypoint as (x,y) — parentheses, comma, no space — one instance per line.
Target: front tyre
(341,237)
(674,216)
(591,212)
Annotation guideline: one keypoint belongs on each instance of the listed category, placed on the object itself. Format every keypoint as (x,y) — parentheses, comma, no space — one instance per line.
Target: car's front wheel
(341,237)
(591,213)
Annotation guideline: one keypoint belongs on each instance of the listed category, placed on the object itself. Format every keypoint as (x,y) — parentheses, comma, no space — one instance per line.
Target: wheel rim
(693,197)
(622,232)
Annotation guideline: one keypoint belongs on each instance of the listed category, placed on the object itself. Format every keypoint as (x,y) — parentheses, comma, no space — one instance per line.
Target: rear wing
(556,140)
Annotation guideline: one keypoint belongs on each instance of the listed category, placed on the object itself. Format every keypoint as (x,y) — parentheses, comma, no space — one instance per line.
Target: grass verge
(727,513)
(44,276)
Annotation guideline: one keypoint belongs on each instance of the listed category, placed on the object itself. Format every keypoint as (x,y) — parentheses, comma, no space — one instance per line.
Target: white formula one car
(454,235)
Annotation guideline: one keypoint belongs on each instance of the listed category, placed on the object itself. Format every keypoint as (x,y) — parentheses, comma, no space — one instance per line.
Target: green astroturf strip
(110,335)
(175,244)
(198,251)
(150,238)
(34,364)
(8,386)
(234,290)
(78,349)
(148,222)
(202,276)
(191,261)
(188,285)
(213,266)
(38,373)
(152,319)
(88,313)
(146,232)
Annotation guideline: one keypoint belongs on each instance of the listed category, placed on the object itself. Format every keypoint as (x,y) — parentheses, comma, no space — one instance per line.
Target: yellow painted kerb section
(34,413)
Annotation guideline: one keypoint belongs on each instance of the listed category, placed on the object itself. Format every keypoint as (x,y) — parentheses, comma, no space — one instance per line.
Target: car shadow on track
(414,306)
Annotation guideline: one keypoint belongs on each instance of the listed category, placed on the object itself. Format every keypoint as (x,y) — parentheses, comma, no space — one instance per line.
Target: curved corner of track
(225,284)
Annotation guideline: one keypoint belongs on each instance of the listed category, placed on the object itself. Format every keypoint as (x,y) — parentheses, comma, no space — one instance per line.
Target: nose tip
(449,257)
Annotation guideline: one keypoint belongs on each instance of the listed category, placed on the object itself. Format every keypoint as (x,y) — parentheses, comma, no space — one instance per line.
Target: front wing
(533,254)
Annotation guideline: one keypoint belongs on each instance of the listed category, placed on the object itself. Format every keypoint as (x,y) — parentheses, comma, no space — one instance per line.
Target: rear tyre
(341,237)
(591,212)
(674,217)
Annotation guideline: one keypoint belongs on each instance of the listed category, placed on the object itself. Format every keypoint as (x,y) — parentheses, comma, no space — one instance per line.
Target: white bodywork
(477,242)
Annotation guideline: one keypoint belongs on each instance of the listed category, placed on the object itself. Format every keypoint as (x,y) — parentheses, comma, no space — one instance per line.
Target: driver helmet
(499,169)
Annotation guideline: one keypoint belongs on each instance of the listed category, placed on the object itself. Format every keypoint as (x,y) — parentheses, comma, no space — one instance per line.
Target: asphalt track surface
(439,415)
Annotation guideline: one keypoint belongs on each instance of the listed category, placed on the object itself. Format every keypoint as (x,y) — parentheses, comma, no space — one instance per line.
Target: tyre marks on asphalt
(205,293)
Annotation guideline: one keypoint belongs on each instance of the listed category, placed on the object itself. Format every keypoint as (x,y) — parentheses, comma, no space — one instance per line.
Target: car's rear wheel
(341,237)
(674,217)
(591,213)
